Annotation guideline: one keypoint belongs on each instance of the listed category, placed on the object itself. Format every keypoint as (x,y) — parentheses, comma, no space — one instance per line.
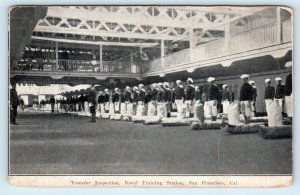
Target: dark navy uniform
(127,96)
(135,97)
(213,93)
(179,93)
(14,102)
(160,95)
(142,95)
(190,93)
(116,97)
(269,92)
(167,96)
(225,95)
(154,95)
(106,98)
(280,90)
(101,99)
(288,85)
(246,92)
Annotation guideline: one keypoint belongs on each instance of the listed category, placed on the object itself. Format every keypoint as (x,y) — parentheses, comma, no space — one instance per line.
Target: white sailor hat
(224,86)
(288,64)
(210,79)
(116,89)
(166,84)
(267,80)
(141,85)
(278,79)
(106,90)
(154,84)
(251,82)
(160,84)
(244,76)
(178,81)
(190,80)
(135,88)
(127,87)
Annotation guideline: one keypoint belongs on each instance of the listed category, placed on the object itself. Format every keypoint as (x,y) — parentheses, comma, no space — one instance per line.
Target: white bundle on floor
(174,114)
(225,106)
(117,106)
(199,112)
(102,108)
(152,120)
(111,108)
(274,115)
(151,109)
(105,115)
(207,113)
(123,108)
(233,114)
(98,114)
(115,117)
(106,105)
(288,105)
(161,109)
(129,109)
(140,110)
(181,112)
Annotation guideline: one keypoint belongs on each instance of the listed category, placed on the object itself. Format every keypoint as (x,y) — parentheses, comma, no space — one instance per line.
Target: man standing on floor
(225,98)
(189,97)
(14,103)
(213,96)
(246,96)
(92,103)
(279,92)
(254,96)
(269,94)
(168,98)
(52,103)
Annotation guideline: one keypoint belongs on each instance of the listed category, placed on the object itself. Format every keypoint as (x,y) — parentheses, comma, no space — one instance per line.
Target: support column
(227,34)
(101,58)
(131,63)
(162,54)
(278,25)
(56,56)
(192,43)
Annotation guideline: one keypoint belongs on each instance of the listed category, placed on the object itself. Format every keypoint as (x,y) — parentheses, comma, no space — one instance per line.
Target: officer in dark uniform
(52,102)
(14,103)
(92,103)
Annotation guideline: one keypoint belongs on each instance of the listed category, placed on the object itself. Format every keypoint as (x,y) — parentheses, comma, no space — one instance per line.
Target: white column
(101,58)
(56,56)
(192,43)
(162,53)
(227,34)
(278,26)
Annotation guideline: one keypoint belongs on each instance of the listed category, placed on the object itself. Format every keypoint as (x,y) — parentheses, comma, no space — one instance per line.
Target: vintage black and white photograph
(145,91)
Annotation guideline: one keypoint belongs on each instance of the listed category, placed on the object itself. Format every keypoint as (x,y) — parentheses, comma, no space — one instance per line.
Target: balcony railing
(82,66)
(257,38)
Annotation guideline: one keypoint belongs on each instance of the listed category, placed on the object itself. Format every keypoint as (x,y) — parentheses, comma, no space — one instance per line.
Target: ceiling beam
(142,45)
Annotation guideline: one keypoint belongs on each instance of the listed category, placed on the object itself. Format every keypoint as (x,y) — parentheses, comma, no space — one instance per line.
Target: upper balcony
(273,39)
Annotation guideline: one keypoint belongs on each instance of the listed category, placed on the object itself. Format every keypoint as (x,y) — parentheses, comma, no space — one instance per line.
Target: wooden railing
(254,39)
(120,66)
